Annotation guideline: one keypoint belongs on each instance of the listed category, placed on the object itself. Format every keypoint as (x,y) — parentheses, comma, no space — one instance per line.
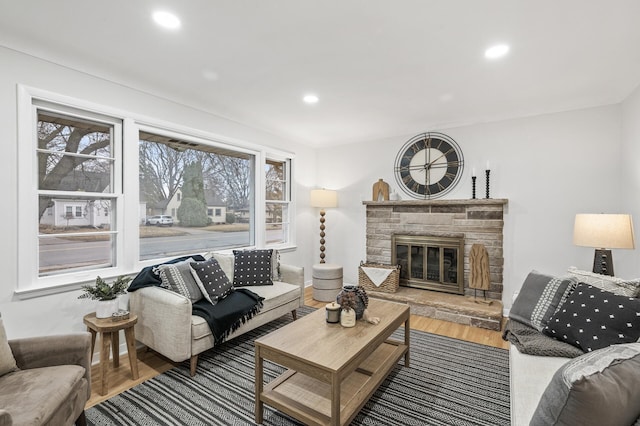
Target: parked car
(160,220)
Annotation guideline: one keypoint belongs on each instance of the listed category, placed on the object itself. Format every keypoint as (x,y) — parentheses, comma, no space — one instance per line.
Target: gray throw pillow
(7,361)
(177,277)
(597,388)
(539,298)
(252,267)
(211,279)
(619,286)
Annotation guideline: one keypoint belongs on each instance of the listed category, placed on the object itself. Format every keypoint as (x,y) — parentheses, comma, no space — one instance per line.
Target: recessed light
(166,20)
(496,51)
(310,99)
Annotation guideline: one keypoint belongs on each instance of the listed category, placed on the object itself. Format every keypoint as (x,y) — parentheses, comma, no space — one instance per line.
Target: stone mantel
(470,201)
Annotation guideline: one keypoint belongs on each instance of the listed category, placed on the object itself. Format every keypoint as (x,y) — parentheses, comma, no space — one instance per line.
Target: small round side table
(109,334)
(327,281)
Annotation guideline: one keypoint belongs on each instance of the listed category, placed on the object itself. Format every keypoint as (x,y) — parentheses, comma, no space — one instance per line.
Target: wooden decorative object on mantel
(380,191)
(479,278)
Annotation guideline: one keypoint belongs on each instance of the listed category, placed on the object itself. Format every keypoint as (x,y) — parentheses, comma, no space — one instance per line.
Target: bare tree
(58,146)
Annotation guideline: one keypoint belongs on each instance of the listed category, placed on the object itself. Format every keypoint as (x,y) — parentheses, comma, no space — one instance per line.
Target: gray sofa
(166,324)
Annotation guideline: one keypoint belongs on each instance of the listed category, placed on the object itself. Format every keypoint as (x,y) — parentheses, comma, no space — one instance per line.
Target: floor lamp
(603,232)
(323,198)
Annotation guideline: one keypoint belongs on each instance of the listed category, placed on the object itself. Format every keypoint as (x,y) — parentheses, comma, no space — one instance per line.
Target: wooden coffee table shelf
(332,371)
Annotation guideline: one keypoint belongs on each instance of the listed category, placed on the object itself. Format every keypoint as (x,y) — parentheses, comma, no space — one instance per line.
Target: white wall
(631,170)
(549,167)
(62,313)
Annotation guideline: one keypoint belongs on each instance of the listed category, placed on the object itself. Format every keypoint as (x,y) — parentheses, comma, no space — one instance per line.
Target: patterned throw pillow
(581,388)
(592,318)
(211,279)
(177,277)
(630,288)
(7,361)
(252,267)
(539,298)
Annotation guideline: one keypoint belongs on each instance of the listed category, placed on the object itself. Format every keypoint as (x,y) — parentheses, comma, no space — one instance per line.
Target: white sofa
(166,325)
(529,376)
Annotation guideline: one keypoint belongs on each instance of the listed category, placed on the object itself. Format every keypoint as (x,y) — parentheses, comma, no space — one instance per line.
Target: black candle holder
(487,172)
(473,187)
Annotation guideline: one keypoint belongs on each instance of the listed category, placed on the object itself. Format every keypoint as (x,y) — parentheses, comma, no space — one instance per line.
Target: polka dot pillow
(592,318)
(252,267)
(211,279)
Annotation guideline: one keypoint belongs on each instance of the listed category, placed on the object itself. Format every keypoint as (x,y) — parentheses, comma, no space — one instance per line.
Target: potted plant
(106,294)
(348,302)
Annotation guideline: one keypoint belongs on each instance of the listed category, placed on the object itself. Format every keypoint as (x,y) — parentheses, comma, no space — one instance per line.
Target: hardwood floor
(151,364)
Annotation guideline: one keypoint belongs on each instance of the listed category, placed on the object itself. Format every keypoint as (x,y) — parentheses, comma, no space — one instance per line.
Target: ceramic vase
(106,308)
(361,298)
(347,317)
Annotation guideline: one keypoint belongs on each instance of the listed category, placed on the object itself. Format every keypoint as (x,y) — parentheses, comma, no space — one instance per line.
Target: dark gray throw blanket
(530,341)
(230,313)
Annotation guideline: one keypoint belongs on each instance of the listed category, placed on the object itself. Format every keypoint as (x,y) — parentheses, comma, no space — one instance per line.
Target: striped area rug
(450,382)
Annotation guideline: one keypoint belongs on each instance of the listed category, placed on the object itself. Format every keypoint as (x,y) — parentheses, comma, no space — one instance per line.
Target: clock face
(429,165)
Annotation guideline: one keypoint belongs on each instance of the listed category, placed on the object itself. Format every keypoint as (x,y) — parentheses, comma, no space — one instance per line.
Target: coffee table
(332,370)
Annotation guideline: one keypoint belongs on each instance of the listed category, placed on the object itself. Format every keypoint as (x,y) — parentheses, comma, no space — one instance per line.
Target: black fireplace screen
(430,262)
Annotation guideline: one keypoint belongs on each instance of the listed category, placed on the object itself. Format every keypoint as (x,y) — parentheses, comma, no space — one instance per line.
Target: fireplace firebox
(430,262)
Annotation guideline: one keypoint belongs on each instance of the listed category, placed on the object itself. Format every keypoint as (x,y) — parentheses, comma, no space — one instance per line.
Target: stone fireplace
(431,240)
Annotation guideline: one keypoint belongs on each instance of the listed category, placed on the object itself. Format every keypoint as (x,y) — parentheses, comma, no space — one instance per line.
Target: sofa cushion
(598,388)
(539,298)
(211,279)
(274,295)
(252,267)
(529,376)
(35,395)
(7,361)
(226,263)
(629,288)
(178,278)
(592,318)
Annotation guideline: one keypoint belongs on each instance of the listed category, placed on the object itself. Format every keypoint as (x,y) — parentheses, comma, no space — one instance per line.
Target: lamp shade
(324,198)
(604,231)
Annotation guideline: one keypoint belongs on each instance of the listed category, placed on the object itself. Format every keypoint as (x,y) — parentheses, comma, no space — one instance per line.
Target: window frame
(289,235)
(125,150)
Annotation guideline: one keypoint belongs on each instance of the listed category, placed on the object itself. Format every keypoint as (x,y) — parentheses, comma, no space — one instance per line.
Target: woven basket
(389,285)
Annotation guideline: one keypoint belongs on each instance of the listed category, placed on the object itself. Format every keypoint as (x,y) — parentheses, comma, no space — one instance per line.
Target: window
(87,173)
(189,175)
(278,199)
(73,154)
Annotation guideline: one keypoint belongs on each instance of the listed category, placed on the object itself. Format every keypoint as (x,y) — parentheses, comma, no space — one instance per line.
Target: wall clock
(429,165)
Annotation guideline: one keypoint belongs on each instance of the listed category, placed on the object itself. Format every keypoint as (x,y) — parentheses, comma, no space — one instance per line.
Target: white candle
(488,168)
(473,171)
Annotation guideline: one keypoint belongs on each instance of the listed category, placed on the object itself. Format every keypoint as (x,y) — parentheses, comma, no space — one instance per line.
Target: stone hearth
(447,307)
(478,221)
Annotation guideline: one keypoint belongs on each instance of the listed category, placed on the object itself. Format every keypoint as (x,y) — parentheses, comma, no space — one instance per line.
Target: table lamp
(323,198)
(603,232)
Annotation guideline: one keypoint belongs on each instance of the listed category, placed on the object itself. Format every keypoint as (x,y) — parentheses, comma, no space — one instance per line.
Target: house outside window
(218,213)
